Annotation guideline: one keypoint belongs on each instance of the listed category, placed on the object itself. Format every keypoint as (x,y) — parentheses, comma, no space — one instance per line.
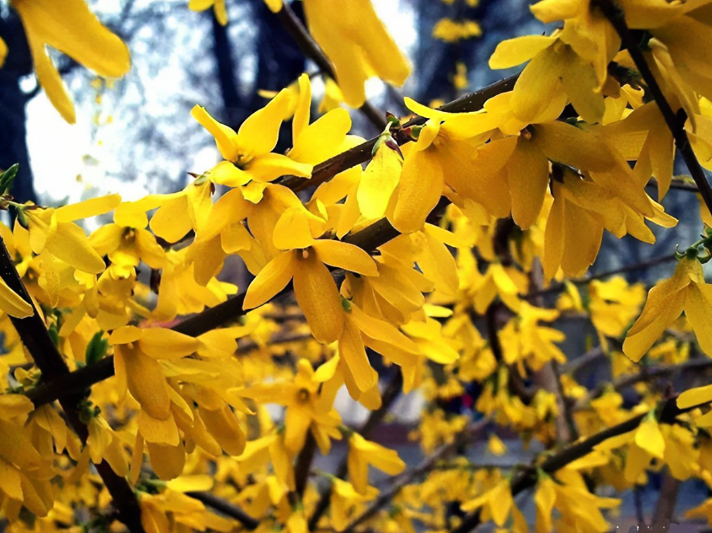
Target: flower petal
(346,256)
(271,279)
(318,297)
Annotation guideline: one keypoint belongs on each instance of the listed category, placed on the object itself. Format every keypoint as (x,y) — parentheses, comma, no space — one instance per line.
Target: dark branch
(35,337)
(675,121)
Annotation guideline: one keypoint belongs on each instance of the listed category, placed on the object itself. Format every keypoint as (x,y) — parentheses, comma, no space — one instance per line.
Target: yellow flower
(324,138)
(3,52)
(363,453)
(497,503)
(345,501)
(309,407)
(358,44)
(53,230)
(685,291)
(71,28)
(127,242)
(556,70)
(136,361)
(304,261)
(248,152)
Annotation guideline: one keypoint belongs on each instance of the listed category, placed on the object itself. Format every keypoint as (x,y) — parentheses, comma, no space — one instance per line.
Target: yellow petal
(322,140)
(223,425)
(50,80)
(258,133)
(698,306)
(77,32)
(528,177)
(271,279)
(125,335)
(649,437)
(87,208)
(271,166)
(378,182)
(275,6)
(158,431)
(10,480)
(68,243)
(554,235)
(191,483)
(226,173)
(12,303)
(421,185)
(581,84)
(163,343)
(296,228)
(3,52)
(537,86)
(145,381)
(167,461)
(172,220)
(513,52)
(696,396)
(346,256)
(225,137)
(318,297)
(353,356)
(574,147)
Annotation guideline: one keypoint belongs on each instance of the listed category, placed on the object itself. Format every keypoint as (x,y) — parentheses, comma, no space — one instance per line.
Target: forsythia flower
(248,152)
(363,453)
(685,291)
(54,230)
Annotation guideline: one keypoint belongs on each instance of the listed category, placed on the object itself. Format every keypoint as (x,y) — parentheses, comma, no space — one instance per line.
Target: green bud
(96,349)
(7,177)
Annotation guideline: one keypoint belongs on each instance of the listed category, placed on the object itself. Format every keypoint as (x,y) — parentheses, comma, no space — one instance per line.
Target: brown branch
(675,121)
(35,337)
(559,287)
(581,362)
(667,412)
(226,508)
(360,154)
(645,374)
(665,509)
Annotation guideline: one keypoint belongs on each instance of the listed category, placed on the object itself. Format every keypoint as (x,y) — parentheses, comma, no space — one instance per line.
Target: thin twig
(667,412)
(559,287)
(665,509)
(226,508)
(645,374)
